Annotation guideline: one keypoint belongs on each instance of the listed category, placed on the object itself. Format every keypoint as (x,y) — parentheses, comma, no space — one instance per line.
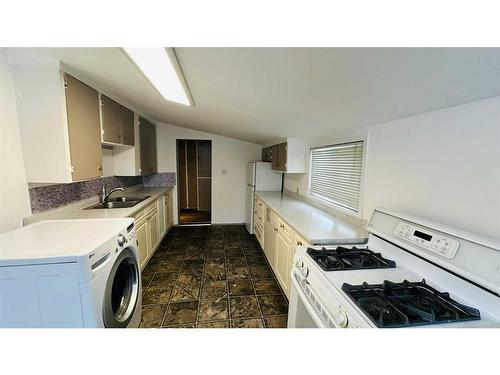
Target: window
(336,174)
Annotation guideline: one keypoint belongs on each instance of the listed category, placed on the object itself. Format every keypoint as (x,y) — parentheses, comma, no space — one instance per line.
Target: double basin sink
(119,202)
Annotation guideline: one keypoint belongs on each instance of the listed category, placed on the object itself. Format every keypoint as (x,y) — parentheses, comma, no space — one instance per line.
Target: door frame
(177,140)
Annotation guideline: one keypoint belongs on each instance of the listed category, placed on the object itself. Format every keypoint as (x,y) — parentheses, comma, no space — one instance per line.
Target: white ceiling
(256,94)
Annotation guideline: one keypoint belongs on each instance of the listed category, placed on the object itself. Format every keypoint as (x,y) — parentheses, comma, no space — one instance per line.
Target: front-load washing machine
(70,273)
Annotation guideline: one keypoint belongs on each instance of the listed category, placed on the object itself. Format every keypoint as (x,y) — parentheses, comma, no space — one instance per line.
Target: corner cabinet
(288,156)
(59,125)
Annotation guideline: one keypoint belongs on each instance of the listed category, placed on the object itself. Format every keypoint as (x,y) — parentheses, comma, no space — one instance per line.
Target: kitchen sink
(127,199)
(119,202)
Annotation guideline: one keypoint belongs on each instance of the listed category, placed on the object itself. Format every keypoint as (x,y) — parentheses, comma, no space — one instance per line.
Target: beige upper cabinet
(147,133)
(127,126)
(288,157)
(117,123)
(110,120)
(82,107)
(58,122)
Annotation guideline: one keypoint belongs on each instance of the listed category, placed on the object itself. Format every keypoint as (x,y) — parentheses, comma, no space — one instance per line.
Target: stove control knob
(305,271)
(121,240)
(299,264)
(341,319)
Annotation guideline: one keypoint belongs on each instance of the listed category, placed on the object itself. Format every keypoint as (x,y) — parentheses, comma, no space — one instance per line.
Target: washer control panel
(437,243)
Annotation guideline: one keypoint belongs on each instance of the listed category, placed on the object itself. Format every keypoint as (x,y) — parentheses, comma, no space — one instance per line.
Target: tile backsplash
(48,197)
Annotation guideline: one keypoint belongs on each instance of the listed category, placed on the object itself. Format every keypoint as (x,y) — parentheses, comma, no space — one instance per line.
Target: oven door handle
(305,301)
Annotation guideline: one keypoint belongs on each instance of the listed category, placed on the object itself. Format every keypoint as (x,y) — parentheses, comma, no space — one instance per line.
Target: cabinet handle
(99,167)
(299,243)
(282,226)
(275,229)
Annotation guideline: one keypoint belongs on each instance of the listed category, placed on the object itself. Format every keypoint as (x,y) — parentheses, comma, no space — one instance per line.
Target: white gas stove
(411,273)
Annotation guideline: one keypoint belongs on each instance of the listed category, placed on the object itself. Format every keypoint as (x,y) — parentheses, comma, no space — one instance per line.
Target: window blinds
(336,174)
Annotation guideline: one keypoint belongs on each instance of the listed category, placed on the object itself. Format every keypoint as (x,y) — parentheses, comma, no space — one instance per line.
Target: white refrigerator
(260,177)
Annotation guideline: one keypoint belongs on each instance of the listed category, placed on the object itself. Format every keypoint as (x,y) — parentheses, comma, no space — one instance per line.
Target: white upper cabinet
(59,124)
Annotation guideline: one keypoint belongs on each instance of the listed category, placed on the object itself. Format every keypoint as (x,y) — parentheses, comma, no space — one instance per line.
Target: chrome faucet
(104,196)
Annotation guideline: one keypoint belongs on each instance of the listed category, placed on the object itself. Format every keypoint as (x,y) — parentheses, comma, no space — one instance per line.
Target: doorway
(194,169)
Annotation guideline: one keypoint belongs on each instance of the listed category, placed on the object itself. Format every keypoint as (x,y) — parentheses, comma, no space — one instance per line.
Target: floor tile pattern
(211,277)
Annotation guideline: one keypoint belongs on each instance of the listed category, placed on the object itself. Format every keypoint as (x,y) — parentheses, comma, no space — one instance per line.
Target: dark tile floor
(211,277)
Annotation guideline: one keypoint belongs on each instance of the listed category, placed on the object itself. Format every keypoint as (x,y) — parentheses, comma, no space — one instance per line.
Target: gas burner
(408,304)
(344,259)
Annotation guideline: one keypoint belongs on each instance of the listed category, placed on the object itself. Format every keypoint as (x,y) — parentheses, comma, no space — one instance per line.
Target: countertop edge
(314,241)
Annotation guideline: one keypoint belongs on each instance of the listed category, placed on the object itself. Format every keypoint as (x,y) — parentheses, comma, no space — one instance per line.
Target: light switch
(224,171)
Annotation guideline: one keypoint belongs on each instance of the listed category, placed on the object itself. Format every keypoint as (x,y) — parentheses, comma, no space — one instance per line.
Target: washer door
(122,291)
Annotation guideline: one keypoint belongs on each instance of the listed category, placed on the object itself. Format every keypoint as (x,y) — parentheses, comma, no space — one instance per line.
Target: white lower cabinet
(270,233)
(279,244)
(162,216)
(151,225)
(142,243)
(283,261)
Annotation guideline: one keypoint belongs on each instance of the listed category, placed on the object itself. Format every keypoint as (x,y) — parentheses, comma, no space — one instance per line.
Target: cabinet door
(110,120)
(84,129)
(153,232)
(147,133)
(270,233)
(282,156)
(169,212)
(282,260)
(275,157)
(162,223)
(127,126)
(142,244)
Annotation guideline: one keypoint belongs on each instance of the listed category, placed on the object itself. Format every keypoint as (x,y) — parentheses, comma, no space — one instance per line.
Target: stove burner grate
(345,259)
(408,304)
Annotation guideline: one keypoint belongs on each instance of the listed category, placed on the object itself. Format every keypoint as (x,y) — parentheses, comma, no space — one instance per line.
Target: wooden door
(204,194)
(110,120)
(204,155)
(127,126)
(147,133)
(84,129)
(192,186)
(182,177)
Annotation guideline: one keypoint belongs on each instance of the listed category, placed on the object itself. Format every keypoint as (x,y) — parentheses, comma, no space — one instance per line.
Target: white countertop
(315,225)
(77,210)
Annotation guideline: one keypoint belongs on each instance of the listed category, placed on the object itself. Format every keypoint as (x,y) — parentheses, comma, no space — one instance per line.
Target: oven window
(335,174)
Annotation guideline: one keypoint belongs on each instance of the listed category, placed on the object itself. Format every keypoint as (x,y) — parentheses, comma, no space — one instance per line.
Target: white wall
(228,191)
(443,166)
(14,200)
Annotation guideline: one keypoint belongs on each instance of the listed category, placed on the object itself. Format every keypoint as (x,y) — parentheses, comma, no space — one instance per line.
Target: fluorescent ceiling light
(161,68)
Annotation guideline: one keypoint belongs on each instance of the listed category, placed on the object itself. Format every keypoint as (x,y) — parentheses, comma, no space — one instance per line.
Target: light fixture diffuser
(161,68)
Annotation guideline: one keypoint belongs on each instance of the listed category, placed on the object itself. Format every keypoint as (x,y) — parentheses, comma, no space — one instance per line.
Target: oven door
(302,311)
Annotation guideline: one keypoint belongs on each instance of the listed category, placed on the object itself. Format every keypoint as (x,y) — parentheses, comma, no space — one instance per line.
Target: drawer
(284,228)
(300,241)
(259,218)
(259,232)
(260,206)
